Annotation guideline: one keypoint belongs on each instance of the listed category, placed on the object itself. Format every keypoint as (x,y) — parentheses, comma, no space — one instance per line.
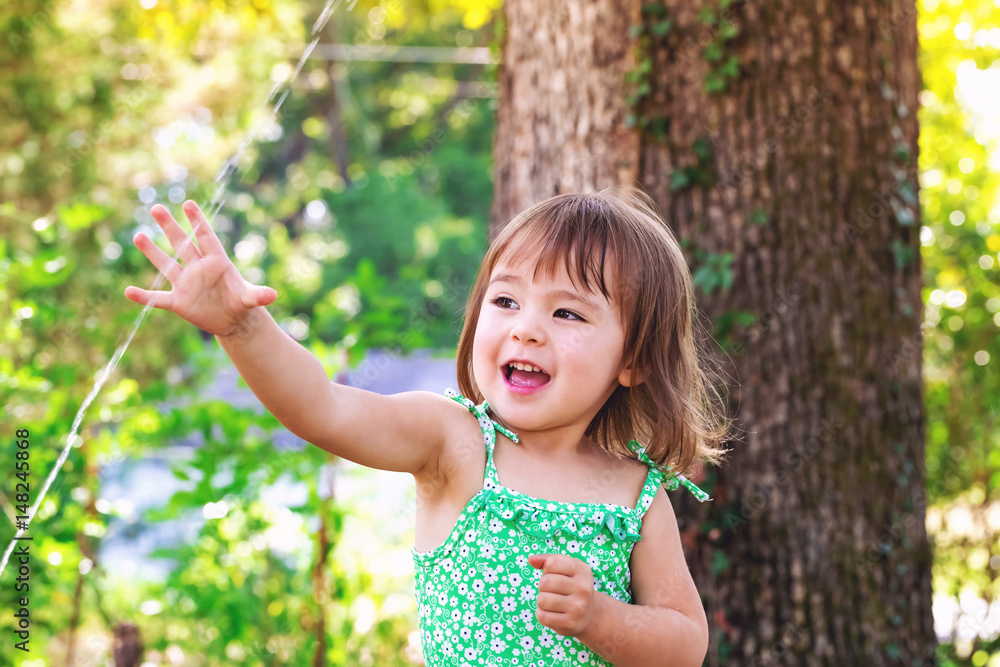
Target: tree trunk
(784,135)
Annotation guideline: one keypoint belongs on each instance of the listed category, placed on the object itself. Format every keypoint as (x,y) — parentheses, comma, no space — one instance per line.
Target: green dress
(476,593)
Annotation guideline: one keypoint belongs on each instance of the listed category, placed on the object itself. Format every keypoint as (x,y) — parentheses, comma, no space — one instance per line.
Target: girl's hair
(669,407)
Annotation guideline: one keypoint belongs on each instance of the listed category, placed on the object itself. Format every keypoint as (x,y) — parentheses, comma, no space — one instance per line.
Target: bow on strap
(489,426)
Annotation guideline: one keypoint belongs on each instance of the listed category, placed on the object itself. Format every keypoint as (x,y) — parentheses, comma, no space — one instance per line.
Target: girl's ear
(626,377)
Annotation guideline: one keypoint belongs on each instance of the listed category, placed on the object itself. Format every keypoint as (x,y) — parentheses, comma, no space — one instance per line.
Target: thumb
(265,295)
(255,295)
(537,560)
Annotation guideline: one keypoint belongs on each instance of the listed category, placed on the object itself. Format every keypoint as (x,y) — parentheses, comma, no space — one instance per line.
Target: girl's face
(574,336)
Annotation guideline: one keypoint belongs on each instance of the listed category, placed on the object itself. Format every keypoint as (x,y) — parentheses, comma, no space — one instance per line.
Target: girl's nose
(527,329)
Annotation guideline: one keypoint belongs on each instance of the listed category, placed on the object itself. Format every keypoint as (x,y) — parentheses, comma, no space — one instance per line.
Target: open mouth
(523,377)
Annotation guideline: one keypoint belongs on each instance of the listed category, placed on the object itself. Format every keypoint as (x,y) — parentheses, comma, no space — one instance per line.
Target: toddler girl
(551,544)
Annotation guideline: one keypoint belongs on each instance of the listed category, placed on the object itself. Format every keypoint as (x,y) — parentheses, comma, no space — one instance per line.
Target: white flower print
(475,610)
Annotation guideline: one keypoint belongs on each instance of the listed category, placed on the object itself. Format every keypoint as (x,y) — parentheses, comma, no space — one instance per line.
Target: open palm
(208,291)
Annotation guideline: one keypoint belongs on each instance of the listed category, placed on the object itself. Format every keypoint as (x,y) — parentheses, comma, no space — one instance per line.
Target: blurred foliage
(364,203)
(959,163)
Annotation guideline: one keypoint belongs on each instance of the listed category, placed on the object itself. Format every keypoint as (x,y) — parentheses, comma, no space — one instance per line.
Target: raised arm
(403,432)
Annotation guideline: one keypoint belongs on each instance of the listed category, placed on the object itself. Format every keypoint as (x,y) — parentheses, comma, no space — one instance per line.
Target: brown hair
(668,407)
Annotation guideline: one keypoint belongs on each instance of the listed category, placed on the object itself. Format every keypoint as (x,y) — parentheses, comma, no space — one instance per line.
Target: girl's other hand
(208,291)
(566,597)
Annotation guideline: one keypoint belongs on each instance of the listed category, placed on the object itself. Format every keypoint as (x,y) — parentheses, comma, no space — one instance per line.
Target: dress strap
(489,429)
(670,479)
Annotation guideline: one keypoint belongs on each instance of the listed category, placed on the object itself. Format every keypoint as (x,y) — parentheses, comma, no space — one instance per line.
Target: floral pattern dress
(476,593)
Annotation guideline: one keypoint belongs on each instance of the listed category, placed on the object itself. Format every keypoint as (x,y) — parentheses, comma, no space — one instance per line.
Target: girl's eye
(497,301)
(563,310)
(501,302)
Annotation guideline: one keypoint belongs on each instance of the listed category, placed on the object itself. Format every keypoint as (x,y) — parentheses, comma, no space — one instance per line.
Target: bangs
(578,231)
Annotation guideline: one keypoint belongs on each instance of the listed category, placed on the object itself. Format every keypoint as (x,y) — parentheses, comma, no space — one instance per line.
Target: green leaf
(81,216)
(662,28)
(634,30)
(702,148)
(731,68)
(728,30)
(678,180)
(714,83)
(659,125)
(654,9)
(713,52)
(720,561)
(757,217)
(706,16)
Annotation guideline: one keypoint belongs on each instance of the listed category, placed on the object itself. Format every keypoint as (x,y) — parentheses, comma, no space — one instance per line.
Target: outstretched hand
(567,601)
(208,291)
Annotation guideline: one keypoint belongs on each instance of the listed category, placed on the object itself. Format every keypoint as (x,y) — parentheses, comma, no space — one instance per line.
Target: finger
(208,242)
(255,296)
(554,604)
(166,264)
(159,299)
(183,246)
(561,564)
(556,583)
(537,561)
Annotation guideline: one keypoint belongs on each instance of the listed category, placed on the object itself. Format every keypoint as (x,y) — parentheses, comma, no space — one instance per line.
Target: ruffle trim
(581,521)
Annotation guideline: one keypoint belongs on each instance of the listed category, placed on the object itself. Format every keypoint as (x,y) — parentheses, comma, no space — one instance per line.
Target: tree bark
(799,161)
